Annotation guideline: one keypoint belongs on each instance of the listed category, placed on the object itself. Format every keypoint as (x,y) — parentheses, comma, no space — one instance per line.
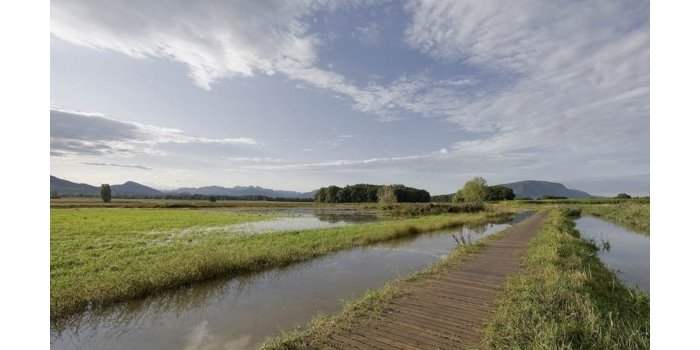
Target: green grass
(631,214)
(96,202)
(369,307)
(567,299)
(100,256)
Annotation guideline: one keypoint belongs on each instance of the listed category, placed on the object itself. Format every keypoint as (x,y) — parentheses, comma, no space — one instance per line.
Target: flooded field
(240,312)
(623,251)
(300,219)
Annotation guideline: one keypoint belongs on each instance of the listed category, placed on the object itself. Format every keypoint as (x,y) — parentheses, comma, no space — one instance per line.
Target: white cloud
(580,74)
(377,163)
(131,166)
(216,39)
(564,85)
(78,133)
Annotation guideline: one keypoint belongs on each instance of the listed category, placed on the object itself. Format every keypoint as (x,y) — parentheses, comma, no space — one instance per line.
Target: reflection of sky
(239,313)
(628,256)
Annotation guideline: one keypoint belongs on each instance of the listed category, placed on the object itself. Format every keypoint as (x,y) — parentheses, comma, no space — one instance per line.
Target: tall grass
(567,299)
(100,256)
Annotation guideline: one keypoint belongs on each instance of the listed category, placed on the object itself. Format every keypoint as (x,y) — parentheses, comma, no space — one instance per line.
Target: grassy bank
(368,307)
(99,256)
(631,214)
(567,299)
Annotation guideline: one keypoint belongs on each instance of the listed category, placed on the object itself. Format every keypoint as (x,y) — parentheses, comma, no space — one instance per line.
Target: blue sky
(298,95)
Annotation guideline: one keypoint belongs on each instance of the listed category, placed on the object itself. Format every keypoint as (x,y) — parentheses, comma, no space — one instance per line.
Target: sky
(302,94)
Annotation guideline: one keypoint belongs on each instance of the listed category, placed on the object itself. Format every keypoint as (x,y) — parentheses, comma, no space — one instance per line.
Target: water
(626,253)
(294,220)
(239,313)
(305,221)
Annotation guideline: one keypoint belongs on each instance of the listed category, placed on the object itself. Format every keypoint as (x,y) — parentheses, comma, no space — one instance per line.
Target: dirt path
(449,310)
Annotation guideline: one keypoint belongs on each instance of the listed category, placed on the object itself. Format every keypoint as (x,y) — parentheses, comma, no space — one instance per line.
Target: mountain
(68,188)
(128,189)
(242,191)
(539,189)
(134,189)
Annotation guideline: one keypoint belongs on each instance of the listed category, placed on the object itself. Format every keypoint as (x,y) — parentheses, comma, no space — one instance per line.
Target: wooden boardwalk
(449,310)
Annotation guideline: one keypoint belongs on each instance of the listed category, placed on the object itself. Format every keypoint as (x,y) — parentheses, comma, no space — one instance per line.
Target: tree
(473,192)
(332,194)
(321,195)
(212,199)
(106,193)
(499,193)
(623,196)
(387,195)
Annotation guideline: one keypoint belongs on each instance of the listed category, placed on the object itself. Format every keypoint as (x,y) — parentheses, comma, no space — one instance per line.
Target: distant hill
(64,187)
(68,188)
(240,191)
(530,189)
(538,189)
(134,189)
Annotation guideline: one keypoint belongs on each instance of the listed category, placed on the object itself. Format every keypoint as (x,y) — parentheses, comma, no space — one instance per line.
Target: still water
(626,253)
(239,313)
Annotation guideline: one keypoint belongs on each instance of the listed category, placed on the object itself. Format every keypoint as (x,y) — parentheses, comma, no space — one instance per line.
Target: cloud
(133,166)
(78,133)
(377,163)
(577,76)
(216,39)
(554,87)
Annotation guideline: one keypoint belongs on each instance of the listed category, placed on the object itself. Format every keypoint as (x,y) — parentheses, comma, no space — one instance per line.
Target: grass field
(99,255)
(631,214)
(94,202)
(567,299)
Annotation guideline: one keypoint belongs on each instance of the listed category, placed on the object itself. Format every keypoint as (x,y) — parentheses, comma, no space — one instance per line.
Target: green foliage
(432,208)
(212,199)
(567,299)
(547,196)
(623,196)
(474,191)
(322,195)
(106,193)
(442,198)
(387,195)
(499,193)
(367,193)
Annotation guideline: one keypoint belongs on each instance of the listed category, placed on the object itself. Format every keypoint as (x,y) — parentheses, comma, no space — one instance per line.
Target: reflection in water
(293,221)
(623,251)
(238,313)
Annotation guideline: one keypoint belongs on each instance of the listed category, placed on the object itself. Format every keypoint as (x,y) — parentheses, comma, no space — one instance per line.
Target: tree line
(368,193)
(477,191)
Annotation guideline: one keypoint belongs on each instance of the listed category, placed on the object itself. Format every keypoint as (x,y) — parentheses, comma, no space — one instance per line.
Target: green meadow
(100,256)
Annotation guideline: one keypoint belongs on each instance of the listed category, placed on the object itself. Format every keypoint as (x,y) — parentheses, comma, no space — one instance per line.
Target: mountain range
(64,187)
(240,191)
